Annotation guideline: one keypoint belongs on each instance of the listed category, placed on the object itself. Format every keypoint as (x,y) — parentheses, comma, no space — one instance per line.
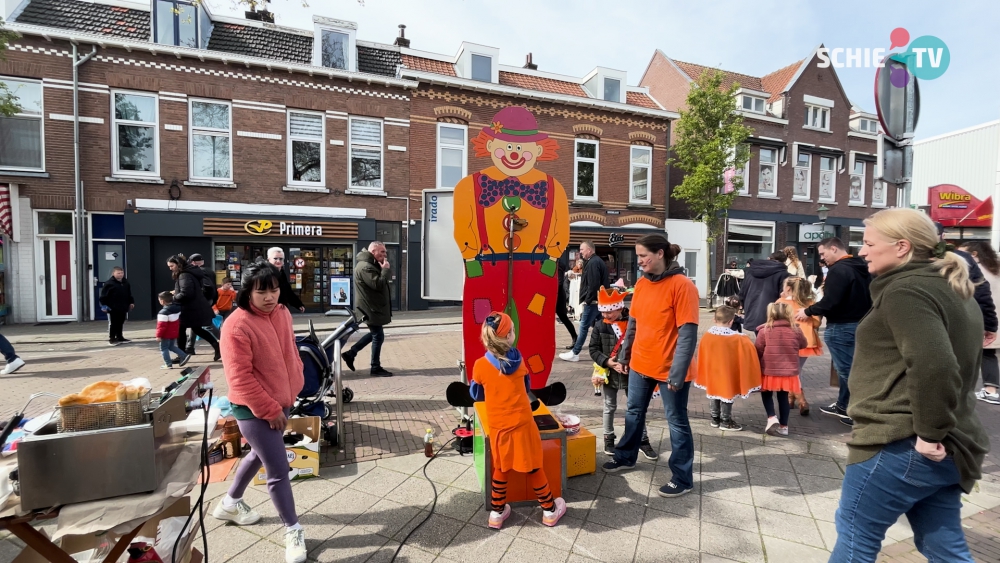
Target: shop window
(211,150)
(306,157)
(827,179)
(857,193)
(746,240)
(21,135)
(452,153)
(53,223)
(388,233)
(366,154)
(135,134)
(585,170)
(182,24)
(767,181)
(642,158)
(803,176)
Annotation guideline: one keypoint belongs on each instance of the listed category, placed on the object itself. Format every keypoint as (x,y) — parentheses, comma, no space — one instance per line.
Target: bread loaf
(101,392)
(131,393)
(120,393)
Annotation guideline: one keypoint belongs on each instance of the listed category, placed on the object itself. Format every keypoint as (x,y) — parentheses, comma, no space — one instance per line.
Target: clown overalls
(491,202)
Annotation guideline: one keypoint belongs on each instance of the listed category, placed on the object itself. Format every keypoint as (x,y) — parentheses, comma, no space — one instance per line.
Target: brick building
(612,139)
(198,133)
(810,148)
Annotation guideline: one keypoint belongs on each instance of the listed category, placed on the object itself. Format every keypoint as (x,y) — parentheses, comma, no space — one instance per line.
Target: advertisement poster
(340,291)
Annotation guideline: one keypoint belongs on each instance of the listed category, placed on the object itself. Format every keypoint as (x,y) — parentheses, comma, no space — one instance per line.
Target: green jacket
(915,370)
(371,282)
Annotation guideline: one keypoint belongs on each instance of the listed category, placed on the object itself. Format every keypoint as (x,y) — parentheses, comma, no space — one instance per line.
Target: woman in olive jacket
(917,442)
(196,312)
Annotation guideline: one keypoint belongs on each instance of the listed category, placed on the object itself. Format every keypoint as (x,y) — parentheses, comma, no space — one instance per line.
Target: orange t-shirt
(225,301)
(659,309)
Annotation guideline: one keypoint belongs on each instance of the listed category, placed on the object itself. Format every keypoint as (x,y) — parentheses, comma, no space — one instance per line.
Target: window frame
(198,32)
(352,58)
(472,67)
(604,89)
(289,151)
(808,169)
(464,148)
(864,177)
(40,117)
(115,160)
(753,103)
(576,168)
(774,172)
(833,182)
(811,111)
(750,223)
(350,154)
(649,175)
(212,132)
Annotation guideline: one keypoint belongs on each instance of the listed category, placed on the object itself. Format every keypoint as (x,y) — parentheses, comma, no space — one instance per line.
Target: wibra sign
(952,206)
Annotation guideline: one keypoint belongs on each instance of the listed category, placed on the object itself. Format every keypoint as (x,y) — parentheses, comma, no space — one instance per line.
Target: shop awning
(952,206)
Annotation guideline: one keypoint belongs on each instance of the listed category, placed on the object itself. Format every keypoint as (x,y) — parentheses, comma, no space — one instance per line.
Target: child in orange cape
(727,367)
(515,440)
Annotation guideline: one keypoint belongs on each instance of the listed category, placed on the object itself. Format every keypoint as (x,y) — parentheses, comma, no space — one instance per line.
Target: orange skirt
(788,383)
(810,352)
(517,449)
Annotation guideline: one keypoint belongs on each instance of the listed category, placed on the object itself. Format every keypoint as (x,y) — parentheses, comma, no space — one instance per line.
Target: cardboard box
(303,460)
(78,544)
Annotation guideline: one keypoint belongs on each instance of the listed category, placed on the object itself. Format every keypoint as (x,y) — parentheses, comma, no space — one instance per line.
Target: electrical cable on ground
(198,505)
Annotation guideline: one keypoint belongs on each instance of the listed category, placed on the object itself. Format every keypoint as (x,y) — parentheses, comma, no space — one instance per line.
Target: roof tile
(640,99)
(428,65)
(88,17)
(775,82)
(542,84)
(728,78)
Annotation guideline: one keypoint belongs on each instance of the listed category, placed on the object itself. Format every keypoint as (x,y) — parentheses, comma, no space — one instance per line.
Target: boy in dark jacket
(605,345)
(116,301)
(168,327)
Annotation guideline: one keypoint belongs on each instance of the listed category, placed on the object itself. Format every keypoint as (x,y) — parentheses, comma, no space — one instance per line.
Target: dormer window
(868,126)
(334,44)
(181,23)
(605,84)
(482,68)
(612,89)
(751,103)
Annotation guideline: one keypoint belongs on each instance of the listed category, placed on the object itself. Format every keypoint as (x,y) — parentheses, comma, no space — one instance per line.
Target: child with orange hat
(515,440)
(610,374)
(727,367)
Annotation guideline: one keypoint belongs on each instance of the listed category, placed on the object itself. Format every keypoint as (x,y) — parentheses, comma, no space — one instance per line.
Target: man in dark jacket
(595,276)
(374,304)
(208,288)
(562,299)
(846,300)
(116,301)
(761,287)
(287,297)
(196,313)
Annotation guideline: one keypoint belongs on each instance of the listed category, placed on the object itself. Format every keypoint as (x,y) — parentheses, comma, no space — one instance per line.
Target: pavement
(757,498)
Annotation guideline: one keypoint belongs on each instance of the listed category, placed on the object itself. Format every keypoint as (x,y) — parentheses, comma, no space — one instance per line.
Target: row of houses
(225,136)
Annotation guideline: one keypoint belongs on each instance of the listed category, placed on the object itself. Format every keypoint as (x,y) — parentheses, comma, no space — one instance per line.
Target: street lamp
(823,212)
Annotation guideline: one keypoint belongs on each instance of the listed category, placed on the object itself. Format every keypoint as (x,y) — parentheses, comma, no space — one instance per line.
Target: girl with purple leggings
(264,374)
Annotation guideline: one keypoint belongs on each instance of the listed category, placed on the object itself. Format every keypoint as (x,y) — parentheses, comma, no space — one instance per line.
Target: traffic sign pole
(911,123)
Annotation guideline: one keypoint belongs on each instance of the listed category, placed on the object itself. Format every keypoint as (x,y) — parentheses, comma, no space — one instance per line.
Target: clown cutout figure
(511,225)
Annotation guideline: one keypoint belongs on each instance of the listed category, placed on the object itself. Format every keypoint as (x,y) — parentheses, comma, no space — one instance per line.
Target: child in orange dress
(778,343)
(515,440)
(727,368)
(798,295)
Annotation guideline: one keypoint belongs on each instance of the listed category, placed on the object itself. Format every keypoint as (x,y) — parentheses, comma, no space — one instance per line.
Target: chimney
(263,15)
(402,41)
(530,65)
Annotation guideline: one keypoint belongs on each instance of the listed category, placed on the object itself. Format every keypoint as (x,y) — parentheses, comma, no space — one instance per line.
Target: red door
(63,279)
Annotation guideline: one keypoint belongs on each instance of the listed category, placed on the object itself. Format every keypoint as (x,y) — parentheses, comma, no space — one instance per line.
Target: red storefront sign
(954,207)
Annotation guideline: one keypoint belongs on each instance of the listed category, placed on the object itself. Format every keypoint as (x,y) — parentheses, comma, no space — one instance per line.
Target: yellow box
(581,453)
(303,460)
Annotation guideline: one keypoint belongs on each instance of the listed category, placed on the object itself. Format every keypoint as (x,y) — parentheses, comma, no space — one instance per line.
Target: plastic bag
(167,533)
(217,322)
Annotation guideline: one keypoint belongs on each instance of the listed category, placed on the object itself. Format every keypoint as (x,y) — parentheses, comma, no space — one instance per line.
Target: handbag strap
(614,351)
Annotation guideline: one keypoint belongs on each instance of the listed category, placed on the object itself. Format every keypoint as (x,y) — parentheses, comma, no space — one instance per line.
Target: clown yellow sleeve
(466,235)
(559,229)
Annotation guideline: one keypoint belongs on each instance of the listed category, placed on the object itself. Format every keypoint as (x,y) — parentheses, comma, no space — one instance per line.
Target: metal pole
(84,282)
(339,390)
(907,183)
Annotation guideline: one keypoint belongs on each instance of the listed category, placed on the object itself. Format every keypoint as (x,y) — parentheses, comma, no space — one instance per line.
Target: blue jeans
(898,480)
(587,318)
(840,340)
(640,391)
(168,346)
(375,337)
(6,349)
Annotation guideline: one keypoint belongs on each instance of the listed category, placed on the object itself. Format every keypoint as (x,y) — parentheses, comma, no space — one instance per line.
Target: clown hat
(610,300)
(515,124)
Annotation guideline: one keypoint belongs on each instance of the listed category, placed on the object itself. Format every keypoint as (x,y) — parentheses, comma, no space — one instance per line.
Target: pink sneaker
(552,518)
(497,519)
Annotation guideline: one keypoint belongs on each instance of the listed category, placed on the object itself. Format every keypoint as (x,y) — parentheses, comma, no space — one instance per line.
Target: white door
(55,257)
(693,267)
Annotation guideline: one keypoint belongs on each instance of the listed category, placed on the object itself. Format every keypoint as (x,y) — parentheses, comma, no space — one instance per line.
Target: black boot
(348,358)
(609,444)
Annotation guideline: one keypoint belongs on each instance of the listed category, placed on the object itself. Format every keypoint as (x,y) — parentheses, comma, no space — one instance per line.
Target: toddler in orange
(727,367)
(798,295)
(515,440)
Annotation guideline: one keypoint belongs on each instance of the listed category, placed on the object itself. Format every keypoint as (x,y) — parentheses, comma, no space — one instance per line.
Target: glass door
(305,274)
(54,257)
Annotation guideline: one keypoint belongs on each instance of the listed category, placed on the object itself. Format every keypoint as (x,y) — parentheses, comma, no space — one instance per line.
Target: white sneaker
(569,356)
(295,546)
(982,395)
(772,426)
(12,366)
(241,514)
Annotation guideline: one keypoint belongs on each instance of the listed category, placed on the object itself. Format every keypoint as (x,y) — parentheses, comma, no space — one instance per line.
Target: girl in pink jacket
(264,373)
(778,343)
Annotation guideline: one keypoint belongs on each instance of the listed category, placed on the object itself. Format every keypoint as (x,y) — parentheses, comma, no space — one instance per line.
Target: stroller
(321,368)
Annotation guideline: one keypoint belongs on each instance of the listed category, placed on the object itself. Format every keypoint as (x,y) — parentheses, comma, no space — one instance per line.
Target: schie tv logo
(926,57)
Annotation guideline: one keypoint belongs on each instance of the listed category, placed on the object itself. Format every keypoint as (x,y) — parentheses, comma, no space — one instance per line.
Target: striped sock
(498,498)
(540,483)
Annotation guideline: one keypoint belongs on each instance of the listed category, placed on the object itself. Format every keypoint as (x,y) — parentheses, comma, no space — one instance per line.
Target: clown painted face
(513,158)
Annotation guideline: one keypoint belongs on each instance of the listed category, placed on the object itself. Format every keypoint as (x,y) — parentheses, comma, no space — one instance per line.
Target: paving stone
(561,536)
(8,550)
(228,542)
(346,474)
(318,528)
(444,471)
(352,544)
(728,513)
(764,456)
(260,551)
(829,532)
(982,500)
(578,503)
(311,492)
(900,531)
(781,551)
(835,450)
(434,535)
(805,466)
(724,470)
(385,518)
(708,558)
(408,464)
(475,543)
(820,486)
(468,481)
(731,543)
(616,487)
(783,480)
(587,483)
(346,505)
(671,529)
(605,544)
(789,527)
(823,508)
(378,481)
(415,491)
(408,554)
(618,514)
(781,500)
(652,551)
(688,505)
(524,551)
(727,489)
(459,504)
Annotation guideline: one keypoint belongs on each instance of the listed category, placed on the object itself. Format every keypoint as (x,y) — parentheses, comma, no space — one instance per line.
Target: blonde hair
(793,255)
(801,292)
(779,311)
(725,314)
(918,229)
(494,343)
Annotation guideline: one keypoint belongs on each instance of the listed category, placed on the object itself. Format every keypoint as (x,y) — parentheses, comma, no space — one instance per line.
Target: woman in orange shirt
(659,344)
(798,295)
(514,440)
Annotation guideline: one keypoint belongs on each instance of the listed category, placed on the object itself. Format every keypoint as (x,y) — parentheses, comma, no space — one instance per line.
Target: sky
(574,36)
